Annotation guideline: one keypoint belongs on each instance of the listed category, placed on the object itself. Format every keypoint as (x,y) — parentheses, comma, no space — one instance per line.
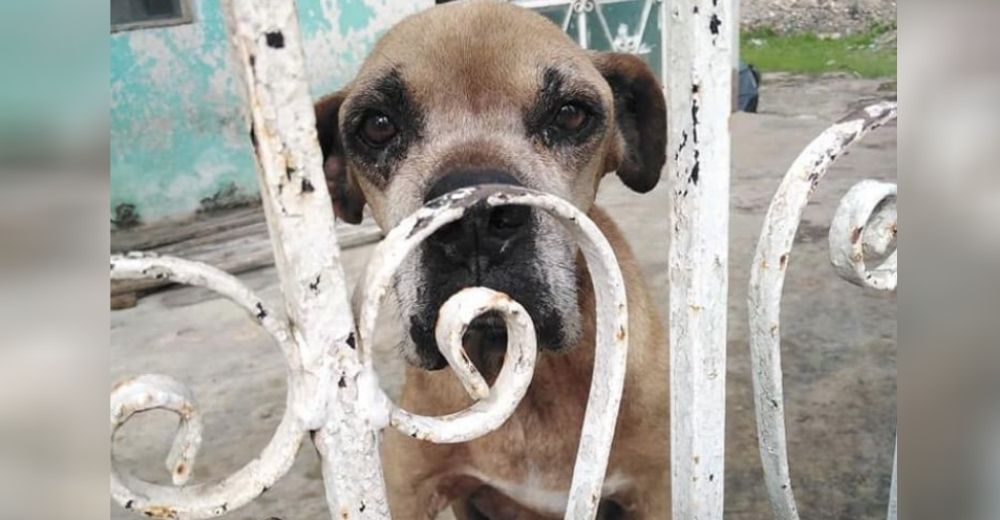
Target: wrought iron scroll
(333,390)
(863,230)
(620,41)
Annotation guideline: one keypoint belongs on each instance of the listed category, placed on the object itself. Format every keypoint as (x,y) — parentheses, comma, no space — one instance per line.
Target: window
(137,14)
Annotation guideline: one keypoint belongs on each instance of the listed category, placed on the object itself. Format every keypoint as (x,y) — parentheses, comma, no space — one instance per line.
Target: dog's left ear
(641,117)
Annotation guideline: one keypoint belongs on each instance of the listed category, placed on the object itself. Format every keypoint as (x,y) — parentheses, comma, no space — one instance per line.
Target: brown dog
(484,92)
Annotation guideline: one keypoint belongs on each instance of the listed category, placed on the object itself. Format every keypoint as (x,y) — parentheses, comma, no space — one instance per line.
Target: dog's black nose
(484,231)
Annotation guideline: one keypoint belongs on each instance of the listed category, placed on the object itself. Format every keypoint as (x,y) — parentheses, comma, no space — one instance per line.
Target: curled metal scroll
(149,392)
(494,405)
(864,226)
(623,41)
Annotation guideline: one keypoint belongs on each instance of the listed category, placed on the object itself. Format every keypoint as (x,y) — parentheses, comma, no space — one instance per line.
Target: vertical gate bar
(699,101)
(735,54)
(892,487)
(300,220)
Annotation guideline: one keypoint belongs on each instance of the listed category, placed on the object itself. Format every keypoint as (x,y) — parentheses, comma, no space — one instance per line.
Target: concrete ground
(839,342)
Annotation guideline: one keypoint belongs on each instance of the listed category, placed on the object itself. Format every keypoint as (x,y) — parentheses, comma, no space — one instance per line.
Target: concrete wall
(179,136)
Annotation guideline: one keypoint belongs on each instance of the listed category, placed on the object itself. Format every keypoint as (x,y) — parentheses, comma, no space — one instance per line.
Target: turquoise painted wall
(179,136)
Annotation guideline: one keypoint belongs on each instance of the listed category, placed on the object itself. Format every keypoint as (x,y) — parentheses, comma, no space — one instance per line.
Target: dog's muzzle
(485,233)
(492,247)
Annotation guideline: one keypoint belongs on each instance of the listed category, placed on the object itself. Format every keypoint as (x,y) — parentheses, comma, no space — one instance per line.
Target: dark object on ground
(749,88)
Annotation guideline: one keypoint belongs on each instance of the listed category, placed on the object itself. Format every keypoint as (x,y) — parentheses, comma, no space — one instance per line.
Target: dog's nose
(484,231)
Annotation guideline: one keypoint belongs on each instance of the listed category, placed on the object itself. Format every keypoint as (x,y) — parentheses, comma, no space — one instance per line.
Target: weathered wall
(179,136)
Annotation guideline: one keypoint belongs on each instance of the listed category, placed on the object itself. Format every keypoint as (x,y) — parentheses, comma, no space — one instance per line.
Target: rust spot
(121,384)
(784,260)
(160,512)
(180,469)
(856,234)
(620,336)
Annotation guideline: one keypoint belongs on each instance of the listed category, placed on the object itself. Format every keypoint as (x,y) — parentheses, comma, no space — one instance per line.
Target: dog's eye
(377,129)
(571,117)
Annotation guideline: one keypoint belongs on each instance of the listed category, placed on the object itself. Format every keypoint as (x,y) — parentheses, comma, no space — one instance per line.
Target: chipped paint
(698,89)
(178,117)
(868,204)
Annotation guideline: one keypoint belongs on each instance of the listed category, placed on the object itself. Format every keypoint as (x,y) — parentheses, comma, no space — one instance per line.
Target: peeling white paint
(699,100)
(767,277)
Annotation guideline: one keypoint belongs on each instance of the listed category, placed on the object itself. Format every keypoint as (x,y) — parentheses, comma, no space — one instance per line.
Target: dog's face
(487,93)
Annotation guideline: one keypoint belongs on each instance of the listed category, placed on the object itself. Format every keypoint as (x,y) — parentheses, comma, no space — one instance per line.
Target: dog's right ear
(348,199)
(641,113)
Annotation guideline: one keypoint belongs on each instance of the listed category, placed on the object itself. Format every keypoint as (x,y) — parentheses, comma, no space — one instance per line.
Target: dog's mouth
(485,342)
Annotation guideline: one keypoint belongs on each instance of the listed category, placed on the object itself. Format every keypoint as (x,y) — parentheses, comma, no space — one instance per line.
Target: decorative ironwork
(864,225)
(333,388)
(623,39)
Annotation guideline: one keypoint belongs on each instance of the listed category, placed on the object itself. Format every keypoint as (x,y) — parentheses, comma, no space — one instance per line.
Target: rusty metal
(698,95)
(333,388)
(148,392)
(865,224)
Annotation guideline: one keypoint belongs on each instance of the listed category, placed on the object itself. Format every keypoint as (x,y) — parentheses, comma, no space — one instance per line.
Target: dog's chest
(531,457)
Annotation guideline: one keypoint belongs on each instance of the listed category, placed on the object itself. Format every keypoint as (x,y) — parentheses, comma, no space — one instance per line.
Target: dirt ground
(839,342)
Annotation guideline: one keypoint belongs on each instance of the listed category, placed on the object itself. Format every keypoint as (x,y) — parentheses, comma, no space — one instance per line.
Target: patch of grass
(810,54)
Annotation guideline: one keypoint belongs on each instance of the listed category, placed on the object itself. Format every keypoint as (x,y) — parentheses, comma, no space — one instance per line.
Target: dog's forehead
(475,53)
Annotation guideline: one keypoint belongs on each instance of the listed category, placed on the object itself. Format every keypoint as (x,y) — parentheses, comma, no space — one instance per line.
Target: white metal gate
(333,392)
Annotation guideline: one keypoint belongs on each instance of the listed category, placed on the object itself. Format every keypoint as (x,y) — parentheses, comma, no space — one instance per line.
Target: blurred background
(120,126)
